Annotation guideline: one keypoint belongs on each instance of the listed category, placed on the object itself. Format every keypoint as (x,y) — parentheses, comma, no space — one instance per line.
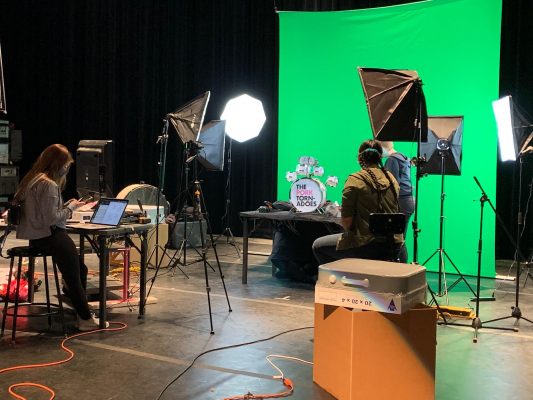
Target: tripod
(162,140)
(515,310)
(200,214)
(419,161)
(180,256)
(200,211)
(476,322)
(230,239)
(442,283)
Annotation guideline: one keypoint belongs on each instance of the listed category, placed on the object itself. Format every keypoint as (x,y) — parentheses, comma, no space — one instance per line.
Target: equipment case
(371,285)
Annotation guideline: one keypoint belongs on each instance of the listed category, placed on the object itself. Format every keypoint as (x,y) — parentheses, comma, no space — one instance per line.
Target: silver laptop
(107,214)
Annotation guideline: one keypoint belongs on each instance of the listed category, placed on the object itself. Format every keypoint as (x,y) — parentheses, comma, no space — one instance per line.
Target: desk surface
(118,230)
(290,216)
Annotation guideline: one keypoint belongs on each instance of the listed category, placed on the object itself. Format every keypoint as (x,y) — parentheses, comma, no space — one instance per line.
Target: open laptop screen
(109,211)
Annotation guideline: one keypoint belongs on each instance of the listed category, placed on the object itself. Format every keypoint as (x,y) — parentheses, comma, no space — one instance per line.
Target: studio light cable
(11,389)
(287,382)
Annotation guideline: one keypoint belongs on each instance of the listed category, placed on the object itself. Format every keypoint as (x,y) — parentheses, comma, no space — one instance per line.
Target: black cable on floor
(226,348)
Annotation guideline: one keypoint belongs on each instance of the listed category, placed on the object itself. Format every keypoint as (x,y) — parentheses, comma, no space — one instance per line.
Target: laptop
(107,214)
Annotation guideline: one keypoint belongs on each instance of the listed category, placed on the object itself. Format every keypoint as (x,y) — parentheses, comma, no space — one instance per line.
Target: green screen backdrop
(454,46)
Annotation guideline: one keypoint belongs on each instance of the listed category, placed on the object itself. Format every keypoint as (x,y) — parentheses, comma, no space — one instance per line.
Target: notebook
(107,214)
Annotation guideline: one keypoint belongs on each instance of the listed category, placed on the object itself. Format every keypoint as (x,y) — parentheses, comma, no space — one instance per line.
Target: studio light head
(212,138)
(443,144)
(189,118)
(512,135)
(396,104)
(244,116)
(443,149)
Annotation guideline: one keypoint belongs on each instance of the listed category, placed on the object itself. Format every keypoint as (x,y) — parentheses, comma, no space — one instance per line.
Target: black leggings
(64,253)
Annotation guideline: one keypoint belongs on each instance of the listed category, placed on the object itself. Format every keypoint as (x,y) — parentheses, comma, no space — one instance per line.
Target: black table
(104,238)
(281,216)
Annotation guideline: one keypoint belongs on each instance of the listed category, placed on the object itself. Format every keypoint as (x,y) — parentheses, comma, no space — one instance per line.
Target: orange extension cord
(250,396)
(50,364)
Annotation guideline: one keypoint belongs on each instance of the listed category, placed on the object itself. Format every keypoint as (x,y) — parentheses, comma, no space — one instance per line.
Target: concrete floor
(138,362)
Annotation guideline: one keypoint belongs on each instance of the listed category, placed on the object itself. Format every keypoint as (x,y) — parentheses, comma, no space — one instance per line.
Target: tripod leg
(175,262)
(528,275)
(204,261)
(461,276)
(439,310)
(208,291)
(231,240)
(476,324)
(214,245)
(210,266)
(221,275)
(442,269)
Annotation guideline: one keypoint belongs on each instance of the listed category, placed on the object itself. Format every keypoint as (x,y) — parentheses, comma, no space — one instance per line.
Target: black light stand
(3,109)
(187,121)
(230,239)
(209,151)
(418,163)
(443,151)
(161,164)
(476,322)
(162,140)
(515,310)
(521,221)
(440,251)
(397,110)
(199,213)
(190,154)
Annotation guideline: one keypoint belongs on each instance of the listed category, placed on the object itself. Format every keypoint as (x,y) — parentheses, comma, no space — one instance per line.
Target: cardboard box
(135,257)
(370,355)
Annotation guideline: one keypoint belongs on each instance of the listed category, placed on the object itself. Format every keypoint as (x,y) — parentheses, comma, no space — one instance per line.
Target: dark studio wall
(111,69)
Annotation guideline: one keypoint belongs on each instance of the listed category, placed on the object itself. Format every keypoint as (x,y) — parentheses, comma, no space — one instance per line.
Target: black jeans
(407,206)
(325,250)
(64,253)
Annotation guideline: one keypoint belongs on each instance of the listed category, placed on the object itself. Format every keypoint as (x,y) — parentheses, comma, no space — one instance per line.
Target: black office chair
(387,225)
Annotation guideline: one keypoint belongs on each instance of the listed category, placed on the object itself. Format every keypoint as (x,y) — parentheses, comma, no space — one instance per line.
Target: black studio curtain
(112,69)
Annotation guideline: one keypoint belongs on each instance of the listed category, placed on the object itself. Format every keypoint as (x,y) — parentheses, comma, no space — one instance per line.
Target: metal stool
(31,253)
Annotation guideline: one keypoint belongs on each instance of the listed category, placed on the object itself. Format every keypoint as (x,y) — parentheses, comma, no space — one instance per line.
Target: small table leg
(144,256)
(245,250)
(103,280)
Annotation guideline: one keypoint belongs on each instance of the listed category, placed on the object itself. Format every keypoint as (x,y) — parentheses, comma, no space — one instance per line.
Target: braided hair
(370,153)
